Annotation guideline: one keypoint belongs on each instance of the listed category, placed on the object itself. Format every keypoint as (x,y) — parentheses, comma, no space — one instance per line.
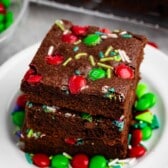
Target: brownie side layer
(92,99)
(52,127)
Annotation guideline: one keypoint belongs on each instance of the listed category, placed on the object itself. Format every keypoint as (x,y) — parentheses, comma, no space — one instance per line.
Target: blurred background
(33,18)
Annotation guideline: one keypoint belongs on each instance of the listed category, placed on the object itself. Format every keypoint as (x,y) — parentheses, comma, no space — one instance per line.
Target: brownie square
(86,69)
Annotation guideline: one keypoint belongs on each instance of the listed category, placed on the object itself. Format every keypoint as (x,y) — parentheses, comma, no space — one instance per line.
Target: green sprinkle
(117,58)
(67,61)
(28,158)
(79,55)
(107,59)
(111,90)
(104,65)
(113,53)
(92,40)
(30,133)
(60,24)
(91,59)
(108,73)
(108,50)
(126,35)
(101,55)
(99,33)
(86,116)
(76,48)
(77,72)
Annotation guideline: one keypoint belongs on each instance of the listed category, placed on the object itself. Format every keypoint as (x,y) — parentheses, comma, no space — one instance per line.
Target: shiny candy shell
(98,161)
(59,161)
(54,60)
(136,151)
(145,116)
(2,9)
(18,118)
(97,73)
(79,30)
(123,71)
(147,133)
(41,160)
(21,100)
(80,161)
(136,137)
(141,89)
(69,38)
(92,40)
(76,83)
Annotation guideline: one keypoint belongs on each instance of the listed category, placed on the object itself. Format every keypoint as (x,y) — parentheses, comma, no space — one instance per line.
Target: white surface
(154,72)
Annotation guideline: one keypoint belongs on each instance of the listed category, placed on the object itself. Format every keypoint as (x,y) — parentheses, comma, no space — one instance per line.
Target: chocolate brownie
(86,69)
(51,130)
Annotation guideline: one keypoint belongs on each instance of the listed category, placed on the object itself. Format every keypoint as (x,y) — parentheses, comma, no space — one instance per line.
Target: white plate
(154,72)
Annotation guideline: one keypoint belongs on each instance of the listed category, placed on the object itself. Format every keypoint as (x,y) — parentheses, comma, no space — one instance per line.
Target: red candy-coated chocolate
(76,83)
(153,44)
(69,38)
(105,30)
(41,160)
(70,141)
(31,77)
(80,161)
(79,30)
(136,137)
(136,151)
(2,9)
(54,60)
(21,100)
(124,71)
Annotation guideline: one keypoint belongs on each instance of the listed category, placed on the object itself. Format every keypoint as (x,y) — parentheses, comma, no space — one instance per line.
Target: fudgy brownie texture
(87,69)
(51,130)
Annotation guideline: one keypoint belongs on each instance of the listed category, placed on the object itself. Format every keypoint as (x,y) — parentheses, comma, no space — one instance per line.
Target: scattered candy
(59,161)
(92,40)
(21,101)
(123,71)
(18,118)
(69,38)
(97,73)
(146,116)
(155,123)
(98,161)
(136,137)
(76,84)
(2,8)
(145,102)
(79,30)
(54,60)
(41,160)
(146,133)
(80,161)
(141,89)
(136,151)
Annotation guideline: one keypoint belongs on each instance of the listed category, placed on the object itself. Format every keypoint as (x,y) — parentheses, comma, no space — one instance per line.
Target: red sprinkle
(136,151)
(70,141)
(80,161)
(31,77)
(105,30)
(136,137)
(76,83)
(21,100)
(41,160)
(2,9)
(69,38)
(79,30)
(124,71)
(153,44)
(54,60)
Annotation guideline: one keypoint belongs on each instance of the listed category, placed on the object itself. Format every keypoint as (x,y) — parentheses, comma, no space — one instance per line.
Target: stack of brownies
(81,89)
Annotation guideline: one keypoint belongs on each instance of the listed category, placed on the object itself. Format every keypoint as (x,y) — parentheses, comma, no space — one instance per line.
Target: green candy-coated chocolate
(9,17)
(141,89)
(2,17)
(6,3)
(155,123)
(92,40)
(97,73)
(145,102)
(146,133)
(146,116)
(98,161)
(18,118)
(59,161)
(2,27)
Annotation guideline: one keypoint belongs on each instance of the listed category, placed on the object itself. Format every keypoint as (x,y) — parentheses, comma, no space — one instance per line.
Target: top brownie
(86,68)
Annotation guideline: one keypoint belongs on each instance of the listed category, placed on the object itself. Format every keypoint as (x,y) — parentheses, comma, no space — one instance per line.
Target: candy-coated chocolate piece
(105,30)
(146,133)
(98,161)
(54,60)
(2,8)
(18,118)
(2,17)
(28,158)
(146,116)
(79,30)
(41,160)
(97,73)
(145,102)
(136,151)
(141,89)
(69,38)
(123,71)
(6,3)
(21,100)
(2,27)
(76,84)
(92,40)
(155,123)
(59,161)
(80,161)
(9,17)
(136,137)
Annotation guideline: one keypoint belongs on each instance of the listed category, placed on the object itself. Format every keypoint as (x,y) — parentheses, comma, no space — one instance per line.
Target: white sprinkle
(111,163)
(104,37)
(124,56)
(84,87)
(50,50)
(112,35)
(66,32)
(105,89)
(67,155)
(123,32)
(68,115)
